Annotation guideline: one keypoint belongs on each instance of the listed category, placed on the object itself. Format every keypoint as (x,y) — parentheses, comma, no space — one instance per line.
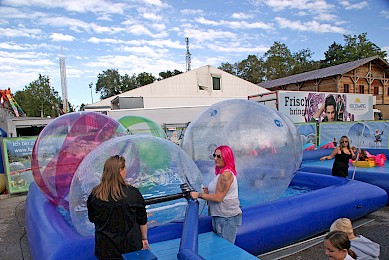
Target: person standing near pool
(222,195)
(119,213)
(342,154)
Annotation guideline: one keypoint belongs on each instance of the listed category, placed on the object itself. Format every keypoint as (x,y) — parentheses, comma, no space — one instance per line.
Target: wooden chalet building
(365,76)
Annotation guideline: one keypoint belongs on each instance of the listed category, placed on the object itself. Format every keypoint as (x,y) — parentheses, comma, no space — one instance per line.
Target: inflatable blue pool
(265,227)
(378,175)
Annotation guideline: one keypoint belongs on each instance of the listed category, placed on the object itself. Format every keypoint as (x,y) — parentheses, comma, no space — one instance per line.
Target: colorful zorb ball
(139,125)
(62,145)
(153,178)
(266,145)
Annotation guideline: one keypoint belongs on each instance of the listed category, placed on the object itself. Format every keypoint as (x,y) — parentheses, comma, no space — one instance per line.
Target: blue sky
(149,35)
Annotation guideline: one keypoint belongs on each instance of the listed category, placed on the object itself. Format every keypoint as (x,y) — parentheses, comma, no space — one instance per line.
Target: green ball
(139,125)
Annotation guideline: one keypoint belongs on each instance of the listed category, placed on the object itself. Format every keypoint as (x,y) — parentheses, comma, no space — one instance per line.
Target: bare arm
(145,242)
(332,155)
(222,187)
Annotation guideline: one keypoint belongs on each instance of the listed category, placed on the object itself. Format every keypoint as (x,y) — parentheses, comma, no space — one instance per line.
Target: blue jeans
(227,227)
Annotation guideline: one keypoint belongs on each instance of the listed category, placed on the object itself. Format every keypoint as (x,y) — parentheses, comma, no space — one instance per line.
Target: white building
(178,99)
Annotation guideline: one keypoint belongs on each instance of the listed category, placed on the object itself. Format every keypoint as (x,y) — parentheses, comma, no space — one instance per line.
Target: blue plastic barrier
(189,237)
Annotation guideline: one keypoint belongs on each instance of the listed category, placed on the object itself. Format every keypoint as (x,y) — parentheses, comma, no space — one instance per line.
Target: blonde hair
(343,224)
(111,185)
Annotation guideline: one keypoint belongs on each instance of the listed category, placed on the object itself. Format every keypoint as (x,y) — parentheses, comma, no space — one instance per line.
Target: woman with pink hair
(222,195)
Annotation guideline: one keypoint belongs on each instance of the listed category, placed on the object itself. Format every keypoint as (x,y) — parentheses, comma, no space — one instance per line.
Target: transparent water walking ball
(156,166)
(266,145)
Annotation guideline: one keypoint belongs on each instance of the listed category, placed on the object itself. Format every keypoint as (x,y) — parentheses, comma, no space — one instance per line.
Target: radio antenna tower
(64,86)
(188,60)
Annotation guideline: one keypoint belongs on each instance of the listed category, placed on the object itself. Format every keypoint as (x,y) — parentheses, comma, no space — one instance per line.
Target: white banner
(300,106)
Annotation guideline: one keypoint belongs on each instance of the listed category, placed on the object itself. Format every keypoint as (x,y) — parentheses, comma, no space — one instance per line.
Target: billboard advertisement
(17,154)
(372,134)
(305,106)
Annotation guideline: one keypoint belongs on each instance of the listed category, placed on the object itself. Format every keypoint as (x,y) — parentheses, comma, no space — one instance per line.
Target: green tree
(356,47)
(144,78)
(251,69)
(359,47)
(39,98)
(109,83)
(168,74)
(334,55)
(302,62)
(128,82)
(229,68)
(278,61)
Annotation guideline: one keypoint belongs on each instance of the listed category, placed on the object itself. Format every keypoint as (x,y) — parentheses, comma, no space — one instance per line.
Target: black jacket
(117,223)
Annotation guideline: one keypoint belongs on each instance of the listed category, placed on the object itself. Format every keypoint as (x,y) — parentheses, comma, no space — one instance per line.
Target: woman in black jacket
(118,211)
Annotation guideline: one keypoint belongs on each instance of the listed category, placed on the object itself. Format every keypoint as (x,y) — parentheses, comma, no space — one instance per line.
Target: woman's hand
(145,244)
(323,158)
(194,194)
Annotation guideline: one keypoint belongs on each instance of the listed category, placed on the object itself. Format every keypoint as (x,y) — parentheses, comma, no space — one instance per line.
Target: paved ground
(376,230)
(14,244)
(13,238)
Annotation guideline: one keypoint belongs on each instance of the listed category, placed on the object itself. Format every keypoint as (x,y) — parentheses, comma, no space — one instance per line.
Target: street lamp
(90,86)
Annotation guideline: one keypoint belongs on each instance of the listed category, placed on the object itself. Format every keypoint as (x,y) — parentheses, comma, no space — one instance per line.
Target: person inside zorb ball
(266,144)
(156,166)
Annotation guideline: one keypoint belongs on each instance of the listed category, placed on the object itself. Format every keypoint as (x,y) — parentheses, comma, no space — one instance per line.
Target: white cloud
(234,24)
(166,43)
(312,5)
(191,11)
(84,6)
(11,46)
(301,13)
(25,58)
(19,32)
(358,6)
(326,17)
(138,29)
(96,40)
(59,37)
(237,49)
(14,13)
(241,16)
(130,64)
(65,22)
(385,13)
(311,26)
(79,26)
(146,51)
(158,26)
(246,25)
(155,3)
(319,9)
(208,35)
(202,20)
(16,80)
(152,17)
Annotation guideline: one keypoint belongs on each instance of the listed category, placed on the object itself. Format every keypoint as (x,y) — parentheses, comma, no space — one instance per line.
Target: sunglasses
(217,155)
(344,141)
